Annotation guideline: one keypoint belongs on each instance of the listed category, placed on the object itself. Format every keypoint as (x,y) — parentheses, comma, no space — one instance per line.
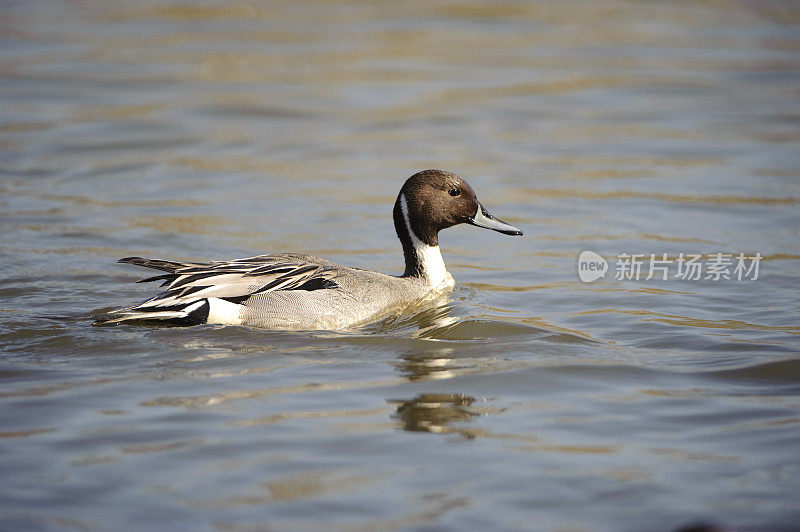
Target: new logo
(591,266)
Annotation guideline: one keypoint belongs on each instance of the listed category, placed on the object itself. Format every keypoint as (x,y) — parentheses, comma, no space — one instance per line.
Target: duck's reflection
(422,321)
(429,364)
(434,412)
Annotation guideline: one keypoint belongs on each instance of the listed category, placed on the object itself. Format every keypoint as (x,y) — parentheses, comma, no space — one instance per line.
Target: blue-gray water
(221,130)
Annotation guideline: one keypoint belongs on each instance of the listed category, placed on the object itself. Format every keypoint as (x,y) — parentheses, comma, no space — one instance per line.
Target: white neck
(429,257)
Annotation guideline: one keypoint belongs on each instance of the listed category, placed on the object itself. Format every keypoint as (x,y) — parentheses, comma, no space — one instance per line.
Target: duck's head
(433,200)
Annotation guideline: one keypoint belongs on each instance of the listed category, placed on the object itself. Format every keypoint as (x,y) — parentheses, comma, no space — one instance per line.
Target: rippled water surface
(529,400)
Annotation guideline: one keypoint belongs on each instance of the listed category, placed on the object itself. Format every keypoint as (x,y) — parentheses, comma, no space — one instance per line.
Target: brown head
(433,200)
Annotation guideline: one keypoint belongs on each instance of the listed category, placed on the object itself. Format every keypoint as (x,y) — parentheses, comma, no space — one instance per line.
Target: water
(224,130)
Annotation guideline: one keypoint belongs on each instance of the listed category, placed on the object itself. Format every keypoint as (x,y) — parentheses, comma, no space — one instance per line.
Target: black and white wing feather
(192,287)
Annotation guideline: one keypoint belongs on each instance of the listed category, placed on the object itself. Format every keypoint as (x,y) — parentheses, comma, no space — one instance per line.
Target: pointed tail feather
(156,264)
(77,317)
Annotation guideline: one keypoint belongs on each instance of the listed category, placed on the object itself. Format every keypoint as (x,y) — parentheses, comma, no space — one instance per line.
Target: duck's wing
(193,287)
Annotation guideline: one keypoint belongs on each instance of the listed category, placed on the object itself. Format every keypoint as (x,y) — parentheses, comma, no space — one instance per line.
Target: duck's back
(353,297)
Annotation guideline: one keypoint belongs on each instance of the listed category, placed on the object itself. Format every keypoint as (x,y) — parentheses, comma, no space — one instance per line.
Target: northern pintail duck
(291,291)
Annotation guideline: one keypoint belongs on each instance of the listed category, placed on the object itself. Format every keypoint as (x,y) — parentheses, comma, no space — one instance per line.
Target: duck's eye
(455,192)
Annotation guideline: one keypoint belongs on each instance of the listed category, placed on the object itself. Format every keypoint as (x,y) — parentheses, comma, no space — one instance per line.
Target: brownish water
(223,130)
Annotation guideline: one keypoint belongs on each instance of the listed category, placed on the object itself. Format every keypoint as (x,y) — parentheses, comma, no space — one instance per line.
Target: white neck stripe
(428,257)
(404,210)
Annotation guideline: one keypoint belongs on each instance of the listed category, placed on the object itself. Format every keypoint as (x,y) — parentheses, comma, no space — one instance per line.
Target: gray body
(361,296)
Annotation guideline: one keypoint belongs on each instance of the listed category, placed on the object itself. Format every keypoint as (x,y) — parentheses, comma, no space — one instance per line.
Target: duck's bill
(482,218)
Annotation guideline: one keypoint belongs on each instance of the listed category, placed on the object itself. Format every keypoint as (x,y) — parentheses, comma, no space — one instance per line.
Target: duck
(295,291)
